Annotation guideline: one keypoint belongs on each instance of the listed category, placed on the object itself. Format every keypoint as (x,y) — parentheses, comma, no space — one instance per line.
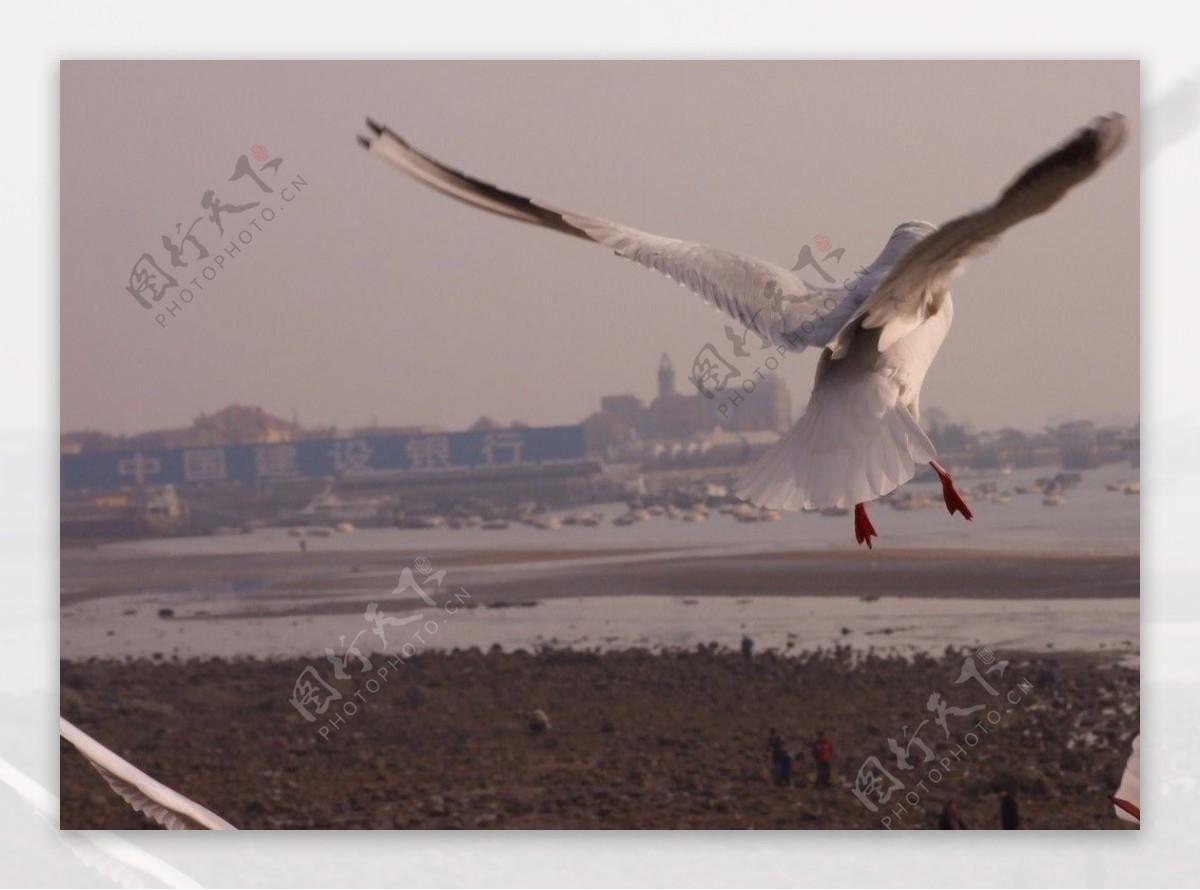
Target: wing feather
(164,805)
(907,295)
(767,298)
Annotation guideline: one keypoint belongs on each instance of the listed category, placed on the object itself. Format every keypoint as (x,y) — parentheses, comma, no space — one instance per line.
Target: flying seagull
(859,437)
(164,805)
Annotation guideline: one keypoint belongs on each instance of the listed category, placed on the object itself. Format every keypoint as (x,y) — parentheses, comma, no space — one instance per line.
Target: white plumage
(148,796)
(859,437)
(1127,802)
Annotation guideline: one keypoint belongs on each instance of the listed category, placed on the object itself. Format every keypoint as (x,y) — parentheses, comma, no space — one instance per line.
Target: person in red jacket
(823,754)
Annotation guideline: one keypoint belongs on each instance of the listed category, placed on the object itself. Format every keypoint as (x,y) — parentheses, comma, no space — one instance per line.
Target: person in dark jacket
(781,758)
(822,752)
(1010,816)
(951,820)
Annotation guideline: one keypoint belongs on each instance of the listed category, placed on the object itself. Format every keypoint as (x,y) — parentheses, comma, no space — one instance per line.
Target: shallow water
(902,625)
(1092,521)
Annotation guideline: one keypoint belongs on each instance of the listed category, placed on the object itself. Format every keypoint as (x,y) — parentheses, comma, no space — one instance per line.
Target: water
(1092,521)
(202,626)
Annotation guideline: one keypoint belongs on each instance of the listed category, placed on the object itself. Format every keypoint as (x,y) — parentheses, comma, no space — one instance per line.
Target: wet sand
(90,574)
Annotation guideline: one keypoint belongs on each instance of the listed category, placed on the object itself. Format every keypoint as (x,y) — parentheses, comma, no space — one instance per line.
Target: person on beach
(1010,816)
(822,752)
(950,819)
(783,769)
(781,758)
(747,647)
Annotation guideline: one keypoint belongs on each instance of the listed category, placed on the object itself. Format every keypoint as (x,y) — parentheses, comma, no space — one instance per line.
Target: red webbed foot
(954,498)
(863,530)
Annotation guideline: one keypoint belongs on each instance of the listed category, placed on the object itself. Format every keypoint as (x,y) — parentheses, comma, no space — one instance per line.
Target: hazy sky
(369,296)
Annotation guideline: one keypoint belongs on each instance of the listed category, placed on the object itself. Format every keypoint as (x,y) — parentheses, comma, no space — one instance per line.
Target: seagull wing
(165,806)
(1127,802)
(905,297)
(764,297)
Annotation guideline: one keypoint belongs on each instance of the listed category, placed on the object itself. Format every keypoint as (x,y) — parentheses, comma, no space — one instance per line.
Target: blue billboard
(360,456)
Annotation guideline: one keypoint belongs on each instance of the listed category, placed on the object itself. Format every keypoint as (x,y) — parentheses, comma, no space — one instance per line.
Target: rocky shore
(634,739)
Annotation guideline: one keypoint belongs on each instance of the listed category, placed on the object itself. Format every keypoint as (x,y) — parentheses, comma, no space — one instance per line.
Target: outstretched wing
(906,296)
(165,806)
(762,296)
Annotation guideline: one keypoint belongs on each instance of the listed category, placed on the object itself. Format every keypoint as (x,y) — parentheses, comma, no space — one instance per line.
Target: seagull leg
(954,499)
(863,530)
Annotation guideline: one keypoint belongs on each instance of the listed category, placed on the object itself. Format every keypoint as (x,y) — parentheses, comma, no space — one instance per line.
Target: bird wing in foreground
(904,298)
(761,295)
(165,806)
(1127,802)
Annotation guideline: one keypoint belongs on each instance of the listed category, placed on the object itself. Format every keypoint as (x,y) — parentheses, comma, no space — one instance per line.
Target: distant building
(234,425)
(604,430)
(629,408)
(666,377)
(676,416)
(1077,444)
(424,429)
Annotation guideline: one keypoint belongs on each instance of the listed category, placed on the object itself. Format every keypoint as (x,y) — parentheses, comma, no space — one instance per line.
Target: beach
(636,740)
(657,720)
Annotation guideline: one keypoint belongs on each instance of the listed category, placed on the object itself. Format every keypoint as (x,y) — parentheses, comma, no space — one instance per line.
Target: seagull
(859,437)
(148,796)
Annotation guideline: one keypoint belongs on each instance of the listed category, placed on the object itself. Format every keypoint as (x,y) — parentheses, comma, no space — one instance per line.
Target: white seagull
(148,796)
(859,437)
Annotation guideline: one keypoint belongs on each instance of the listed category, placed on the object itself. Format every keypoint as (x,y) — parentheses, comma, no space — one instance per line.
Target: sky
(356,295)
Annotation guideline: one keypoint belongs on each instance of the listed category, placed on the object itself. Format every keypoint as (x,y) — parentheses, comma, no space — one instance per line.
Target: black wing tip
(364,142)
(375,128)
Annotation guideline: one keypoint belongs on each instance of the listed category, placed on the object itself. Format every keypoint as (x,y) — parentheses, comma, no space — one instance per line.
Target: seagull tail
(854,444)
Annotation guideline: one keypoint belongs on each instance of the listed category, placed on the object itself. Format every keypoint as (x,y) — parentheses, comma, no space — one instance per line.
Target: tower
(666,377)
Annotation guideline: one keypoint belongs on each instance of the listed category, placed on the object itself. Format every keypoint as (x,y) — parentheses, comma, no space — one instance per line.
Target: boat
(421,521)
(346,526)
(329,509)
(318,531)
(1133,488)
(1054,499)
(909,501)
(624,519)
